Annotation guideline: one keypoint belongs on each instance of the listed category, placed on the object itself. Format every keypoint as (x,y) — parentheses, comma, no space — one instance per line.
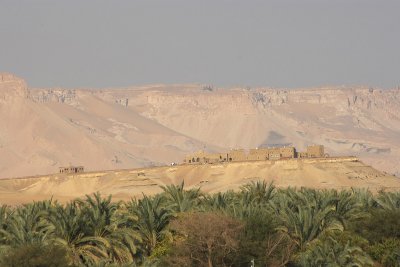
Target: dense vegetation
(259,225)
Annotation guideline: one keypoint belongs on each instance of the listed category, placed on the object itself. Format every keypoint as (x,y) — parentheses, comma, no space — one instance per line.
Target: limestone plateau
(140,126)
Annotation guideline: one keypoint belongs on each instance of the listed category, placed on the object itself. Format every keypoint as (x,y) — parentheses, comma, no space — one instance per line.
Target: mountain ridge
(147,125)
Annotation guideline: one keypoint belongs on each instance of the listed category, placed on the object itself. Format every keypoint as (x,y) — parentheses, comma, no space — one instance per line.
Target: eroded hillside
(348,121)
(42,129)
(39,134)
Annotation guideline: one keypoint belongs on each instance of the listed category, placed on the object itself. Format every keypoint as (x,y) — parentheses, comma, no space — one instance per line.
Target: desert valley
(130,128)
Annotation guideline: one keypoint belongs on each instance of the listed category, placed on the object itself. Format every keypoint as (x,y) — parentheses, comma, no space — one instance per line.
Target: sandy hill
(336,173)
(44,128)
(38,134)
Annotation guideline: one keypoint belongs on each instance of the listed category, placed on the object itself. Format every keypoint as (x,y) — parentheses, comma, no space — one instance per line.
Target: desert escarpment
(348,121)
(44,128)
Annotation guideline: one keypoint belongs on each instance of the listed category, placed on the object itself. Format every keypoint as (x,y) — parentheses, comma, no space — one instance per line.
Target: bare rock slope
(42,129)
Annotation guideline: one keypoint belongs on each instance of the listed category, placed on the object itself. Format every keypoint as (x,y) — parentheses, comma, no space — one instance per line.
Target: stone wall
(315,151)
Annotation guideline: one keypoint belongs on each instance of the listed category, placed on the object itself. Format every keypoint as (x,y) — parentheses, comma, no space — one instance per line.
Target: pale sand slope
(116,128)
(126,184)
(37,138)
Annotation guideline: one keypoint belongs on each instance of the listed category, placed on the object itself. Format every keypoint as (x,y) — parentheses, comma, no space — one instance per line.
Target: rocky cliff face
(361,121)
(53,95)
(158,124)
(12,86)
(360,108)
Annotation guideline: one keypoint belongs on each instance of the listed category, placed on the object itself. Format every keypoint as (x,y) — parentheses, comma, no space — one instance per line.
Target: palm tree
(181,200)
(388,200)
(329,252)
(97,212)
(365,198)
(219,201)
(28,224)
(153,218)
(96,230)
(259,191)
(346,205)
(124,239)
(305,215)
(70,224)
(5,215)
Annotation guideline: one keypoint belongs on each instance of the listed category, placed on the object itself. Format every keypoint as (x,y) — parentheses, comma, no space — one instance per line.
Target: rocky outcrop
(11,86)
(162,123)
(58,95)
(359,121)
(356,98)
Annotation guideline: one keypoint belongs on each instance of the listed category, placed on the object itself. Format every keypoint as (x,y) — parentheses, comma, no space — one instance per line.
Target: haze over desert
(199,133)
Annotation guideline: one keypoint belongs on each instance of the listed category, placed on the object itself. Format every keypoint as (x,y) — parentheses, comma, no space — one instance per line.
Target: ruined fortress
(274,153)
(71,169)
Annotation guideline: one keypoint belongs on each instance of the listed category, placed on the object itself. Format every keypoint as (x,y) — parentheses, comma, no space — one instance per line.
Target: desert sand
(339,173)
(42,129)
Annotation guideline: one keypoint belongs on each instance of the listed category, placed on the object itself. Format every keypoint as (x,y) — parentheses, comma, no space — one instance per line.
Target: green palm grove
(258,224)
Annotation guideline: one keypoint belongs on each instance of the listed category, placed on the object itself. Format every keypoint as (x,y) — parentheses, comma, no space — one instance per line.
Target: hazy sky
(282,43)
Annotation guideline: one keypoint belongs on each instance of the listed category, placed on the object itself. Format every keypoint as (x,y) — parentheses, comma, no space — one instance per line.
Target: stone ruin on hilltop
(274,153)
